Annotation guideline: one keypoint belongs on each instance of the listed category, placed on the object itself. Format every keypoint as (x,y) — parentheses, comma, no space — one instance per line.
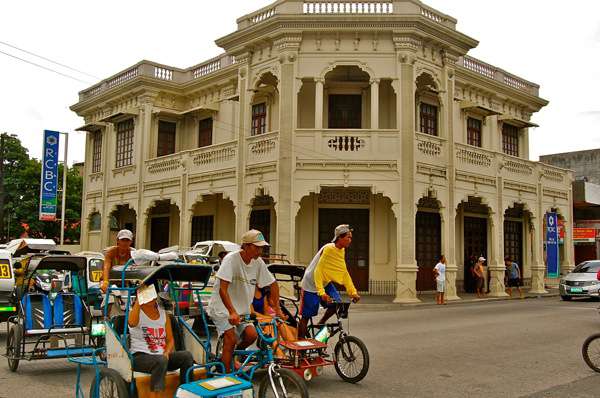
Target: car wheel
(566,298)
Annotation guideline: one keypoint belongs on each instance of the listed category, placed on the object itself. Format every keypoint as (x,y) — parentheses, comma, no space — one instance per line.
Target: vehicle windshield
(588,266)
(95,269)
(202,249)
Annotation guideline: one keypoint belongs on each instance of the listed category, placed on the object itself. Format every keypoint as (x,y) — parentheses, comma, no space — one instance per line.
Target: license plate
(576,290)
(5,271)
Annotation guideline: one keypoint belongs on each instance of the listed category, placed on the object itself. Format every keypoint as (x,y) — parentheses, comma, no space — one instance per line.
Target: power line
(45,68)
(48,59)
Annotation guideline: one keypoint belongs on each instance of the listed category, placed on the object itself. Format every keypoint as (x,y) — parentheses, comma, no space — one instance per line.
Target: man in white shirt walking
(439,271)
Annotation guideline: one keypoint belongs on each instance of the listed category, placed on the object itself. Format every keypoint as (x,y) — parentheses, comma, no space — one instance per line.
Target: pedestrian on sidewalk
(514,276)
(439,271)
(478,273)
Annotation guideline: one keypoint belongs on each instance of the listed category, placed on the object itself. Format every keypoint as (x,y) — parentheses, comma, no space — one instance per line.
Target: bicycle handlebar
(273,322)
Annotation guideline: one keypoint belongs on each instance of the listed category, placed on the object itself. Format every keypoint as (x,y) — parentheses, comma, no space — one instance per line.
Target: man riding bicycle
(327,267)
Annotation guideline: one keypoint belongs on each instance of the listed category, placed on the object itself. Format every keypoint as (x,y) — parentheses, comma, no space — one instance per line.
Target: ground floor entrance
(428,246)
(159,233)
(357,255)
(475,246)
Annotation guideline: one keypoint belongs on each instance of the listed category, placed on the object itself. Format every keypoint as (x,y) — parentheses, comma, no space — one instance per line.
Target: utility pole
(64,191)
(2,137)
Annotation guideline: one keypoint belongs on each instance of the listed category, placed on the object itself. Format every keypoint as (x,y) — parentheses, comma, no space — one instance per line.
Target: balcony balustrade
(262,148)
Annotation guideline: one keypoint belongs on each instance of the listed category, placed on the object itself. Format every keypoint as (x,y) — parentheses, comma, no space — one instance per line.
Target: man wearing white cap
(117,255)
(326,268)
(241,272)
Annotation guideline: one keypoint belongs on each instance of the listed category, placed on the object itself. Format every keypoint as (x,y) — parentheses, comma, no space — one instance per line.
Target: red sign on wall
(584,234)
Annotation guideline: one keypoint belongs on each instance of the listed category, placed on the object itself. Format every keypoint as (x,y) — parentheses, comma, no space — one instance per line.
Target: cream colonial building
(327,112)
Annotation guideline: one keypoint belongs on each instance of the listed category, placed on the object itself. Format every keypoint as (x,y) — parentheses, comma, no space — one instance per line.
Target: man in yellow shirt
(326,268)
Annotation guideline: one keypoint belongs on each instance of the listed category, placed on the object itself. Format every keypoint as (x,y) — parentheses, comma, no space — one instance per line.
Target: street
(514,348)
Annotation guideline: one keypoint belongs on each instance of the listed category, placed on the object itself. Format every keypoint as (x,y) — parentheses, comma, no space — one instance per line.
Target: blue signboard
(49,178)
(552,245)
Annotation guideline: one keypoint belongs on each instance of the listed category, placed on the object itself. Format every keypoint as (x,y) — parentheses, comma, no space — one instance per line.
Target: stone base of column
(538,273)
(406,284)
(450,286)
(496,283)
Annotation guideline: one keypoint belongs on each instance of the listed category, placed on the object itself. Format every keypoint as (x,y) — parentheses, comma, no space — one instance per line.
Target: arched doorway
(474,214)
(262,218)
(428,241)
(163,225)
(122,217)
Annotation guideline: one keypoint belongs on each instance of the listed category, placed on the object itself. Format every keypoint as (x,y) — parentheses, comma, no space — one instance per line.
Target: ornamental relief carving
(335,195)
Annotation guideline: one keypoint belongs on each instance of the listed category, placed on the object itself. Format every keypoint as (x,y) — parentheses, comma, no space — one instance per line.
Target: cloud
(593,114)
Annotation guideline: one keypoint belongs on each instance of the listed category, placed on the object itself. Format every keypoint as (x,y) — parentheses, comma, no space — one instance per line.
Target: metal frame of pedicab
(45,341)
(308,357)
(129,277)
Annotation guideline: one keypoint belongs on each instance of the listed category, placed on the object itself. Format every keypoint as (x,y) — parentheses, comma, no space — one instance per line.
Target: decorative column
(495,261)
(374,104)
(288,46)
(449,212)
(185,227)
(143,139)
(538,269)
(241,222)
(405,211)
(319,103)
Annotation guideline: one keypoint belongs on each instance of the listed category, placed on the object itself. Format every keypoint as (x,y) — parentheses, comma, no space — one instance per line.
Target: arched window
(95,222)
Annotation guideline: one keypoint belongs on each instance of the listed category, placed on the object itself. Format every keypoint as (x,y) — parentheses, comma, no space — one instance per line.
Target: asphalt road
(519,348)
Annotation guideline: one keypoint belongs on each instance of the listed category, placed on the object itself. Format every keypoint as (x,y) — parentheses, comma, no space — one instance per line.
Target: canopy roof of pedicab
(59,263)
(147,274)
(292,271)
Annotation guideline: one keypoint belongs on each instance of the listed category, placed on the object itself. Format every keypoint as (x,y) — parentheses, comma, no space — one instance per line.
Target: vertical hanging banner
(49,178)
(552,245)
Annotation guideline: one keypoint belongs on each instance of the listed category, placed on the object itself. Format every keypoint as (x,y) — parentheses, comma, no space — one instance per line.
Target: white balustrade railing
(497,74)
(208,157)
(474,157)
(164,164)
(122,78)
(163,73)
(348,7)
(263,147)
(430,146)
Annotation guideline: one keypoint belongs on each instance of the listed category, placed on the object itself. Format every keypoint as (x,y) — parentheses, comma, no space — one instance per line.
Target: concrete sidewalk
(428,299)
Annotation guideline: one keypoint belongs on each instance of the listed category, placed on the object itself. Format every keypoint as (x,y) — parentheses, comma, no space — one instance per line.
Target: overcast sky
(556,47)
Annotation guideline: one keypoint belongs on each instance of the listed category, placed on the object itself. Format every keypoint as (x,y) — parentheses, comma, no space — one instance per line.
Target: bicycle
(279,382)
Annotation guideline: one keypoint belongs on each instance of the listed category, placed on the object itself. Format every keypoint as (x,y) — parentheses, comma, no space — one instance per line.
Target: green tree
(22,195)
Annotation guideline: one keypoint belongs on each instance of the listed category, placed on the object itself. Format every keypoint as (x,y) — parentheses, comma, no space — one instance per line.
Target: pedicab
(307,357)
(115,377)
(50,324)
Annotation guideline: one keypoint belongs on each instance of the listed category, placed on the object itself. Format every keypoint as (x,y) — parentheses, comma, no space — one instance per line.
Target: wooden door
(475,245)
(357,255)
(159,233)
(428,247)
(345,111)
(513,242)
(261,220)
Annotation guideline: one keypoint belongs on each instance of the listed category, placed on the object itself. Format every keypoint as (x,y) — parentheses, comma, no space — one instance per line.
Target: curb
(365,306)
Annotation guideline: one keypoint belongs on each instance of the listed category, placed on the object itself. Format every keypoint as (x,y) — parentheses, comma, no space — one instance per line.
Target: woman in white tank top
(153,346)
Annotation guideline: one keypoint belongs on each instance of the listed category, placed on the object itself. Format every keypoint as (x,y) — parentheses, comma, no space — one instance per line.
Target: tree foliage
(22,196)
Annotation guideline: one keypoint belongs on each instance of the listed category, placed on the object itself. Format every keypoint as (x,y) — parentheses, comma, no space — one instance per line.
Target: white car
(212,248)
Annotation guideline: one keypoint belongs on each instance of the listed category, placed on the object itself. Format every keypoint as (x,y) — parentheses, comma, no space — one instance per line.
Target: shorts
(514,282)
(478,283)
(440,286)
(222,324)
(309,302)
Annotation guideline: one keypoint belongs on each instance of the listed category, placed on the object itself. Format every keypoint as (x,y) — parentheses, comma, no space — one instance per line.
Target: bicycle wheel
(13,346)
(282,383)
(111,385)
(351,359)
(591,352)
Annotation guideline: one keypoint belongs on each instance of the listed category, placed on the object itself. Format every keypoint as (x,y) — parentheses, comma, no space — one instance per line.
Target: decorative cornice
(123,190)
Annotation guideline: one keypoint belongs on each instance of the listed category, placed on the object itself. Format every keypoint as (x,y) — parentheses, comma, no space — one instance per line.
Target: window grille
(259,119)
(474,132)
(428,116)
(124,143)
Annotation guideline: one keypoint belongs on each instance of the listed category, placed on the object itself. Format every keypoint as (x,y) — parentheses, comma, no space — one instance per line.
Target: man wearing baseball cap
(326,268)
(241,272)
(117,255)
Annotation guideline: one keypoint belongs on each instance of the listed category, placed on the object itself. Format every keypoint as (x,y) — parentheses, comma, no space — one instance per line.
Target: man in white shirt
(440,278)
(241,272)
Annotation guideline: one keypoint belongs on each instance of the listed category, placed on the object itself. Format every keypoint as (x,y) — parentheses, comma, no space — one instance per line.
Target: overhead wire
(48,59)
(45,68)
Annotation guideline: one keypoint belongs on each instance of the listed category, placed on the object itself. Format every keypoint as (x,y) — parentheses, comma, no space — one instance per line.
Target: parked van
(7,286)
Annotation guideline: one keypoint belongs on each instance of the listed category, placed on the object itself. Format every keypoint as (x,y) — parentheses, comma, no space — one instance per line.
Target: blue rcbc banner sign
(552,245)
(49,178)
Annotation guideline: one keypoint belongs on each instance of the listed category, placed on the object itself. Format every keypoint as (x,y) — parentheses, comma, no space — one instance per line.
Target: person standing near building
(326,268)
(478,273)
(439,271)
(514,276)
